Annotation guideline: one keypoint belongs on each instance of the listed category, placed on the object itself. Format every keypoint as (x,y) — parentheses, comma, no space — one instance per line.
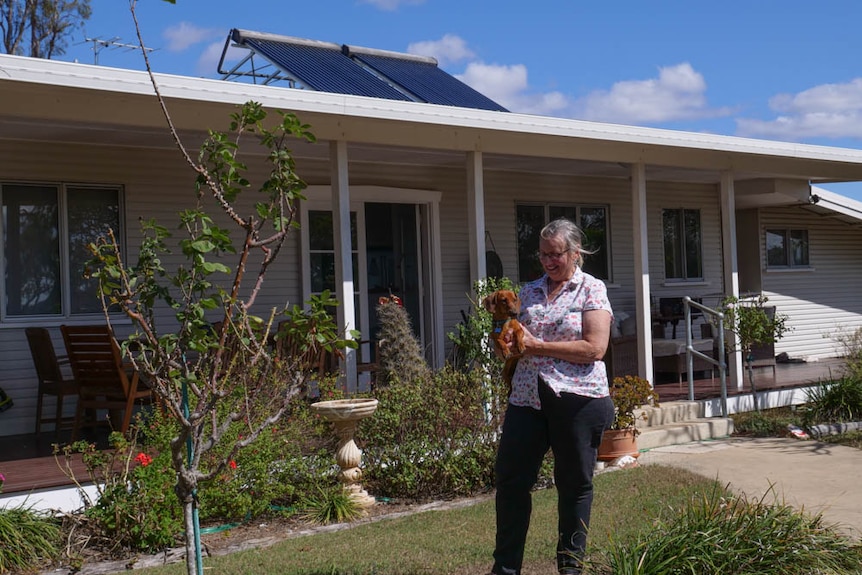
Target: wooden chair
(307,355)
(104,381)
(370,367)
(52,380)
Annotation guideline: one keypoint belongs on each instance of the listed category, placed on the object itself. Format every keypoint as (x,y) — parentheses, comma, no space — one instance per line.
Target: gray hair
(569,233)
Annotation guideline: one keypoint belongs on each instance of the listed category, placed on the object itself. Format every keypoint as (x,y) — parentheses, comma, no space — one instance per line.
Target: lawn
(460,541)
(672,516)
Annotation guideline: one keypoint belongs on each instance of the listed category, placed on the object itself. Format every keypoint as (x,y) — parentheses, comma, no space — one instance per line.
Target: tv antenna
(100,44)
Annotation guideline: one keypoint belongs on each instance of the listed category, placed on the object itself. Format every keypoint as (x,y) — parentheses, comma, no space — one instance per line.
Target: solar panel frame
(342,69)
(323,69)
(428,82)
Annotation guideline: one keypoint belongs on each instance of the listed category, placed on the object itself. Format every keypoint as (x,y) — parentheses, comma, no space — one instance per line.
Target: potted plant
(629,394)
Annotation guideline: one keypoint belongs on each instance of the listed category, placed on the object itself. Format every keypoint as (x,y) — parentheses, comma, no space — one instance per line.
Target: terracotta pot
(617,443)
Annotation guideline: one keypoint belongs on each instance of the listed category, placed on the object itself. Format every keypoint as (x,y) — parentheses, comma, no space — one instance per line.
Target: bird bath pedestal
(345,415)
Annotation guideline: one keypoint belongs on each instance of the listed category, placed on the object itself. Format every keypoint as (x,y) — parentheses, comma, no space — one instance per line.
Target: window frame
(64,249)
(547,207)
(788,248)
(683,247)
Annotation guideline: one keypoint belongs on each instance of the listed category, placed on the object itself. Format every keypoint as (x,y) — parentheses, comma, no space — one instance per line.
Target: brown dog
(504,306)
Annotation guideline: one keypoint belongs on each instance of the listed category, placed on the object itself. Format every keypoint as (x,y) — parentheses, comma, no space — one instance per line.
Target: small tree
(213,379)
(752,325)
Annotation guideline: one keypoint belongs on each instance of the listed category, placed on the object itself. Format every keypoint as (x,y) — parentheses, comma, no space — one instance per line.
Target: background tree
(40,28)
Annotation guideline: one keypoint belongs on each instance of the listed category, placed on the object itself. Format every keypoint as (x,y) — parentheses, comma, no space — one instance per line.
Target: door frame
(319,197)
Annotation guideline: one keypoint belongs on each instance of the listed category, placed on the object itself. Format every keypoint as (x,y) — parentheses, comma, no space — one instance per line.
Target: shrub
(431,439)
(27,538)
(834,402)
(276,471)
(851,345)
(767,423)
(470,339)
(136,506)
(249,483)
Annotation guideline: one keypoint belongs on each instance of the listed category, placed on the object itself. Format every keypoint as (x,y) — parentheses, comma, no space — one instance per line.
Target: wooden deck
(28,463)
(787,375)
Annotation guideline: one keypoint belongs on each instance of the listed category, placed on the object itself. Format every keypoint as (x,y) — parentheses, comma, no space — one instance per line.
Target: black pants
(572,426)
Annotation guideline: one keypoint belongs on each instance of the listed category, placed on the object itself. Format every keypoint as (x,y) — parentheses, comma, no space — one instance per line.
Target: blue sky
(775,69)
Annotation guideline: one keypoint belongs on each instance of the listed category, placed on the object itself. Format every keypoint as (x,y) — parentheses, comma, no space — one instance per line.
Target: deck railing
(690,353)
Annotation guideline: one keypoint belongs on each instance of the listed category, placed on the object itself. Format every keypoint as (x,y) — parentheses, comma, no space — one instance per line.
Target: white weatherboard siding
(75,123)
(162,192)
(824,300)
(706,198)
(156,185)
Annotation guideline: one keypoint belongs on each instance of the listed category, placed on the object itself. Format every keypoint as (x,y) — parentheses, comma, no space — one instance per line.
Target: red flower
(392,298)
(232,464)
(143,459)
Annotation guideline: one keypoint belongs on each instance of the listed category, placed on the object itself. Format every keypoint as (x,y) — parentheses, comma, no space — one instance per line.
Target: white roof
(121,97)
(841,207)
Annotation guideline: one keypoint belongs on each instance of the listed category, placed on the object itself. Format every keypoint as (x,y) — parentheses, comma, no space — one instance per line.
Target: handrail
(688,303)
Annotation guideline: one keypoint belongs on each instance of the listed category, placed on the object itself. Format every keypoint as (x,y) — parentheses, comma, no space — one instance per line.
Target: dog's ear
(490,301)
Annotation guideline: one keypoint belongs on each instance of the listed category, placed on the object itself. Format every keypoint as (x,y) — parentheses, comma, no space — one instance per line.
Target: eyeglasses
(545,256)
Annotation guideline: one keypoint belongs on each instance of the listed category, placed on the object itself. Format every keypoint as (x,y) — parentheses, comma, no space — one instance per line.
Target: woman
(559,401)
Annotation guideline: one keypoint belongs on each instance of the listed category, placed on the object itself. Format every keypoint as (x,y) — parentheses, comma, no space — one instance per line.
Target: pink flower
(143,459)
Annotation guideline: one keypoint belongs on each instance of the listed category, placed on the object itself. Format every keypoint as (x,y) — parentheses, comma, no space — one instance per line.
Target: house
(427,189)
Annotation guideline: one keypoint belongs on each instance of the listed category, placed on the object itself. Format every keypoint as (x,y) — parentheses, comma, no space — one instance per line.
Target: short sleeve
(597,295)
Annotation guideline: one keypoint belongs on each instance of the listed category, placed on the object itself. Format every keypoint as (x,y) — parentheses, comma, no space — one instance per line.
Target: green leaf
(213,267)
(203,246)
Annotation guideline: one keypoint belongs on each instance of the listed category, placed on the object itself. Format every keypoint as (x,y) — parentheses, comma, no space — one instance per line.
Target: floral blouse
(559,320)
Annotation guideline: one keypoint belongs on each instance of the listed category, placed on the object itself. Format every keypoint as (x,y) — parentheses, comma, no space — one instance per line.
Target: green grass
(850,439)
(27,538)
(460,541)
(737,535)
(774,422)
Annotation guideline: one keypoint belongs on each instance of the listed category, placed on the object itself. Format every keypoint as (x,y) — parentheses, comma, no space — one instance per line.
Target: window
(683,253)
(593,221)
(787,248)
(45,232)
(322,249)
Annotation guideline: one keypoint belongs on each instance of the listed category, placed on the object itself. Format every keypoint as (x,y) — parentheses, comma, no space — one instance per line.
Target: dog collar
(499,324)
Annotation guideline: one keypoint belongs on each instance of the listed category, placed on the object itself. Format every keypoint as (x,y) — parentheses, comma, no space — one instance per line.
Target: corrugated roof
(341,69)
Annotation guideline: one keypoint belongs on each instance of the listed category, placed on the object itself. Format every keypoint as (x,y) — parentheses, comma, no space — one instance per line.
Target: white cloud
(448,49)
(508,86)
(208,61)
(390,5)
(183,35)
(679,93)
(826,111)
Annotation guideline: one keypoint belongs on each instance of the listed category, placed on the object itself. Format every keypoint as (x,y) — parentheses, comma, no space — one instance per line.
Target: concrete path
(807,474)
